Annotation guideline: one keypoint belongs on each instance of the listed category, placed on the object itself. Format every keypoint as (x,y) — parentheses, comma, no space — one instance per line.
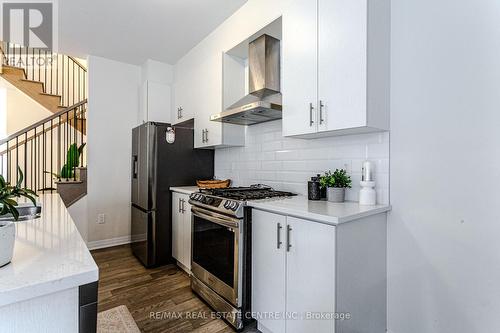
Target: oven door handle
(227,222)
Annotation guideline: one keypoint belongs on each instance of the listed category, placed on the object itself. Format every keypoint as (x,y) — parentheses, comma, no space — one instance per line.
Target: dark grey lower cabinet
(87,295)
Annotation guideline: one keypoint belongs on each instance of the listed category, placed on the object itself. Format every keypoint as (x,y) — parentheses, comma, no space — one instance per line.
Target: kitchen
(299,181)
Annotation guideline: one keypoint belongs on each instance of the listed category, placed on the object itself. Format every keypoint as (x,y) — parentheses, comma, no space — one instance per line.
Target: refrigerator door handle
(135,167)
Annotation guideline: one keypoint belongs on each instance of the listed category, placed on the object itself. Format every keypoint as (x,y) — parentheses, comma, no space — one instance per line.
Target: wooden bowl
(206,184)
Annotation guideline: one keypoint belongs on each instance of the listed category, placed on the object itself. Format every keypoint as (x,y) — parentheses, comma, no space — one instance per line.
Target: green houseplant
(9,192)
(8,206)
(72,160)
(335,182)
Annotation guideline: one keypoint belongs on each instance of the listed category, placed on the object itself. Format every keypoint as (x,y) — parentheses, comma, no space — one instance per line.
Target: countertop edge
(184,189)
(26,293)
(319,218)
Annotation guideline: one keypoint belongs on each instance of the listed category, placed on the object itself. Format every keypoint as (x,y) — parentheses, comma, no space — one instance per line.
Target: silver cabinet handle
(203,136)
(278,238)
(180,210)
(311,108)
(321,105)
(206,135)
(288,245)
(183,207)
(180,112)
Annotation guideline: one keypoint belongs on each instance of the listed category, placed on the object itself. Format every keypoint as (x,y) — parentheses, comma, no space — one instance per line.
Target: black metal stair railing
(60,74)
(47,151)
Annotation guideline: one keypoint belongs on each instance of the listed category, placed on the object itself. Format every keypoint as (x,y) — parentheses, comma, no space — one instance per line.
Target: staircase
(50,154)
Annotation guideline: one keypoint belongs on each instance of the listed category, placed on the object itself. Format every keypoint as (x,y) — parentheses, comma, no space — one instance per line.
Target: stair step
(32,81)
(51,95)
(12,70)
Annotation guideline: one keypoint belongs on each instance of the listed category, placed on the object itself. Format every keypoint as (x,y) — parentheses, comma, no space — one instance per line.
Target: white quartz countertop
(319,211)
(49,256)
(184,189)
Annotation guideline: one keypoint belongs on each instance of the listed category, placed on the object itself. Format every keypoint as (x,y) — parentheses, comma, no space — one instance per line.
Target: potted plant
(8,205)
(335,184)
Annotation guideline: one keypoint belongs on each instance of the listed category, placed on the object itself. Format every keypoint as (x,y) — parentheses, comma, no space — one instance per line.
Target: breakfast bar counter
(50,262)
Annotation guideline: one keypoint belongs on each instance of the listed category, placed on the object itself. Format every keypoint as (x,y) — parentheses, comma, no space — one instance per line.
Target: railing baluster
(17,158)
(38,64)
(45,75)
(51,155)
(73,83)
(31,160)
(8,162)
(59,147)
(25,159)
(34,160)
(43,155)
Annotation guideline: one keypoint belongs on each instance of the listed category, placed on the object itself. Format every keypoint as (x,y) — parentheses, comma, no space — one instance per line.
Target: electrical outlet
(101,218)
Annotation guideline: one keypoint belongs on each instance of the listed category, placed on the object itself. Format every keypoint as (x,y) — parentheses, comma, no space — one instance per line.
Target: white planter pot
(335,194)
(7,238)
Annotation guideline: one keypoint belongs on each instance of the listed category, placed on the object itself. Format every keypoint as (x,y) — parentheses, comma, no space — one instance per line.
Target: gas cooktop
(253,192)
(232,200)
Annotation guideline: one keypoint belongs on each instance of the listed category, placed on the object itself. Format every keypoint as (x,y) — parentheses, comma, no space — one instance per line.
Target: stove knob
(226,204)
(233,206)
(209,200)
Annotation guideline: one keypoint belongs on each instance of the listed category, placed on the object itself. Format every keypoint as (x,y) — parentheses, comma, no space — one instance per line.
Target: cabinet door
(299,67)
(310,275)
(207,100)
(177,218)
(158,102)
(186,233)
(268,268)
(183,108)
(342,70)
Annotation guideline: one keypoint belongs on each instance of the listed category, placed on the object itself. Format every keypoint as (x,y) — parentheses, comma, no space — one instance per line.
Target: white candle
(367,172)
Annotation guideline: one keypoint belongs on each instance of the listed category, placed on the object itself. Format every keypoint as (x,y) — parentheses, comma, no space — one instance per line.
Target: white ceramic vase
(7,238)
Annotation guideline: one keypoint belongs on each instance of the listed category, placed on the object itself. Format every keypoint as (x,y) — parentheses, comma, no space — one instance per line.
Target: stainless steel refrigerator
(156,166)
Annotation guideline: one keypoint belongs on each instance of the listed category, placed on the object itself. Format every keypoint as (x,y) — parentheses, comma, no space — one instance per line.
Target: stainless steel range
(221,258)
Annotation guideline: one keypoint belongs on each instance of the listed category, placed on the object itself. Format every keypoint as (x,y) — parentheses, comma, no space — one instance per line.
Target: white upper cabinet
(183,108)
(156,102)
(198,91)
(341,66)
(299,68)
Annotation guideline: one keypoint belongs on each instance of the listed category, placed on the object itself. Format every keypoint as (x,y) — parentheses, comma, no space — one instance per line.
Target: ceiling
(133,31)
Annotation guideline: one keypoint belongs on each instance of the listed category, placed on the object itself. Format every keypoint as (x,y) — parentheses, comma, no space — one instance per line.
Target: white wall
(18,109)
(444,229)
(113,107)
(288,163)
(157,71)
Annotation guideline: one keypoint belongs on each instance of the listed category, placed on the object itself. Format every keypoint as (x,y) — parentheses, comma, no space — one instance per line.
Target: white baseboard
(101,244)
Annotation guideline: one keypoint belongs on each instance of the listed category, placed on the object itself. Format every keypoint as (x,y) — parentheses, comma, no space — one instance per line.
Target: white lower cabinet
(268,269)
(181,229)
(292,273)
(313,277)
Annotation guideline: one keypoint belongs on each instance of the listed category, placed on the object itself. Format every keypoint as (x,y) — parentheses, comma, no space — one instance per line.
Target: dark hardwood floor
(159,299)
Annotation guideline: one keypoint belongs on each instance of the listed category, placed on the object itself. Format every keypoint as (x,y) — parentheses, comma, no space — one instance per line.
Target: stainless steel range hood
(264,101)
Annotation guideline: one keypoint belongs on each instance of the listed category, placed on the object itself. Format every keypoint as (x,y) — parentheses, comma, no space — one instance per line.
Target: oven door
(216,252)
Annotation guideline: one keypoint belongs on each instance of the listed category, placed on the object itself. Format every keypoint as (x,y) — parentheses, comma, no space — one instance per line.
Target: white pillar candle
(367,172)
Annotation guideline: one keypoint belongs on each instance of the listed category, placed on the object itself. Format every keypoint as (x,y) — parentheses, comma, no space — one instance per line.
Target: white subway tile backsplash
(288,163)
